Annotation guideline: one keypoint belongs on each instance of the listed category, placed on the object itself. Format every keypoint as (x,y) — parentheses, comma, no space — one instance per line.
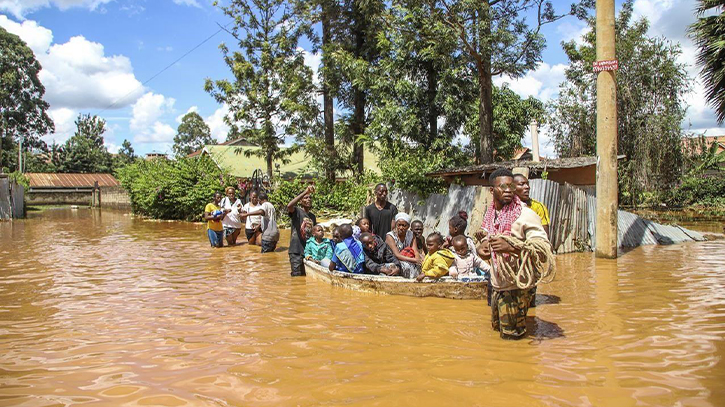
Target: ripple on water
(117,310)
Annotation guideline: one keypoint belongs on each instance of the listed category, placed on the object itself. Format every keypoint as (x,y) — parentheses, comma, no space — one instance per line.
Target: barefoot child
(466,263)
(318,249)
(438,260)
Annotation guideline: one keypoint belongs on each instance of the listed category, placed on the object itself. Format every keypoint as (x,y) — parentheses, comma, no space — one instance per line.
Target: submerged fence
(572,210)
(12,199)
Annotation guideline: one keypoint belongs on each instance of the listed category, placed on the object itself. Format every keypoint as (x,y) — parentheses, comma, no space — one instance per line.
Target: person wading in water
(381,213)
(511,231)
(522,191)
(301,231)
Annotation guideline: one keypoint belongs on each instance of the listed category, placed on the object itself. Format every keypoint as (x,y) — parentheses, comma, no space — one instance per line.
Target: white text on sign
(606,65)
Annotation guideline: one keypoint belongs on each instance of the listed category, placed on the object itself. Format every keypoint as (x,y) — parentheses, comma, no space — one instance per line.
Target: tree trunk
(359,99)
(268,158)
(485,89)
(327,102)
(432,91)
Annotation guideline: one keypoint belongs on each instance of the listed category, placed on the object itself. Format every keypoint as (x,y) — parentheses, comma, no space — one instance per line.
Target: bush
(698,190)
(344,198)
(179,189)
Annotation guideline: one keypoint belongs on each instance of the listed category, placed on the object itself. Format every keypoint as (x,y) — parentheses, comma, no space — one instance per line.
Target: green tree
(498,37)
(271,96)
(192,135)
(85,151)
(650,107)
(126,155)
(708,32)
(22,108)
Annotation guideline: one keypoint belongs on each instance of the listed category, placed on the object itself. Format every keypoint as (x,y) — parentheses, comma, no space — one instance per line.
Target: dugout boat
(445,287)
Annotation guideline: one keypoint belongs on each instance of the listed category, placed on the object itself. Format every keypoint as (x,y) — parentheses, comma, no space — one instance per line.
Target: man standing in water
(300,233)
(522,191)
(507,216)
(381,213)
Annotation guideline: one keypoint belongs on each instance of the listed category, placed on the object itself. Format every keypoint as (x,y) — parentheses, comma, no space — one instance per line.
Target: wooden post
(607,200)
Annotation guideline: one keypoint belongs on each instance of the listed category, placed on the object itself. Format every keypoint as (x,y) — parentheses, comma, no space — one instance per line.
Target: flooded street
(100,307)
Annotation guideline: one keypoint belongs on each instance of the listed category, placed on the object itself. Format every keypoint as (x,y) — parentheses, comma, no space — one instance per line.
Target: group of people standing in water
(386,241)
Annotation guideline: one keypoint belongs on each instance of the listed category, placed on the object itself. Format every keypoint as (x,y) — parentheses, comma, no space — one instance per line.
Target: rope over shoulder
(535,264)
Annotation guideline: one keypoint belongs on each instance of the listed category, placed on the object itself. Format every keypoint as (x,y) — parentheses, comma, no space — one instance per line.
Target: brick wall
(115,197)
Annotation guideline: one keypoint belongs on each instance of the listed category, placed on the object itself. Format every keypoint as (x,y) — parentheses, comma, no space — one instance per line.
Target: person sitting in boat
(438,260)
(379,259)
(348,255)
(508,222)
(466,262)
(417,227)
(319,249)
(361,226)
(457,227)
(403,245)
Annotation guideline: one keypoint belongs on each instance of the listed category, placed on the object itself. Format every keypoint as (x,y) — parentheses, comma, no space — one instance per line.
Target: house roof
(51,180)
(234,160)
(544,164)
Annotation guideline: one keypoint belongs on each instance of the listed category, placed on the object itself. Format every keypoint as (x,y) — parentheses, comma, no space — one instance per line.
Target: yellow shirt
(540,210)
(215,225)
(436,265)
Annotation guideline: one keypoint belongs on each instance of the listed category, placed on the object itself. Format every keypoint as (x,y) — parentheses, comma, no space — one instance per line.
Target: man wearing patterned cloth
(508,216)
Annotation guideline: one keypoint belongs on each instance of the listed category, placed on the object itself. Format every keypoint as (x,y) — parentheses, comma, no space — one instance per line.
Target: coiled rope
(535,264)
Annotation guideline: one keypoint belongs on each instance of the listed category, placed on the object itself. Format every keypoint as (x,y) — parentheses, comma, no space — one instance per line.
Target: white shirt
(232,219)
(248,207)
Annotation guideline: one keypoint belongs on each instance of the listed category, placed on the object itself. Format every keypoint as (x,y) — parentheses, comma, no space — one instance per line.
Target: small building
(580,171)
(68,189)
(155,155)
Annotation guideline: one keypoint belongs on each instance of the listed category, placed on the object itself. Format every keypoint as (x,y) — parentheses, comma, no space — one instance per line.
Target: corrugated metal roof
(49,180)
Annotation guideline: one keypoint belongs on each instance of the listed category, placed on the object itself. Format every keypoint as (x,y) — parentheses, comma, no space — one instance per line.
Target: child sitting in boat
(457,227)
(348,255)
(379,259)
(466,262)
(319,249)
(438,260)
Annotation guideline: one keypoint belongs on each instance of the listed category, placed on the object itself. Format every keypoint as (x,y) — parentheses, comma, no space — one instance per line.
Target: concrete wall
(60,197)
(115,197)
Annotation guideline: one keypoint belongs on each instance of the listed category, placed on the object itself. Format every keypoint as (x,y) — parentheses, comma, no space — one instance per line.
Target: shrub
(345,198)
(698,190)
(178,189)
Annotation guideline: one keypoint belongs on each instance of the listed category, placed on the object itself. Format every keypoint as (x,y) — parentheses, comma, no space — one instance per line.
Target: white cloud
(77,74)
(192,3)
(20,8)
(145,122)
(219,129)
(64,120)
(542,83)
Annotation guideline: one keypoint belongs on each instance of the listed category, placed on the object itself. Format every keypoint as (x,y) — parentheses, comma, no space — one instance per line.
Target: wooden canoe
(445,287)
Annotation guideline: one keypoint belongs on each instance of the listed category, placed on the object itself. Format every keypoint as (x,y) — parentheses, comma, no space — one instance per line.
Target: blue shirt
(348,256)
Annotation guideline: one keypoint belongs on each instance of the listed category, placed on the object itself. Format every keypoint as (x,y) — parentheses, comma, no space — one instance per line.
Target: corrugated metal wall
(12,199)
(572,210)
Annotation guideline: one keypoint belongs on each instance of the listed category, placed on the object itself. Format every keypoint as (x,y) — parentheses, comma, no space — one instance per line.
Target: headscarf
(402,216)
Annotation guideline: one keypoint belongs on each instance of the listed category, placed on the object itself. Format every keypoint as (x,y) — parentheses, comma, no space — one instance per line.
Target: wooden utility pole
(607,200)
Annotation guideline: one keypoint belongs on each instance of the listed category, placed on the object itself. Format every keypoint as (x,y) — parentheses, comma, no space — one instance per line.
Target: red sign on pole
(606,65)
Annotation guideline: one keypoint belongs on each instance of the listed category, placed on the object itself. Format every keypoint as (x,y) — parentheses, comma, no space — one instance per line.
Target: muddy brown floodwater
(106,309)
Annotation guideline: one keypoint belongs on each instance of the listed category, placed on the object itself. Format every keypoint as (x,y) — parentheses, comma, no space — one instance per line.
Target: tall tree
(708,33)
(651,85)
(497,39)
(85,151)
(23,111)
(126,155)
(191,135)
(272,96)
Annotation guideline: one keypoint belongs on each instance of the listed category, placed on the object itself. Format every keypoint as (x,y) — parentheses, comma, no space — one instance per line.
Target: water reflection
(103,307)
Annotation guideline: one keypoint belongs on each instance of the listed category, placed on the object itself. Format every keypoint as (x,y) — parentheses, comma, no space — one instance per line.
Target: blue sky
(97,53)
